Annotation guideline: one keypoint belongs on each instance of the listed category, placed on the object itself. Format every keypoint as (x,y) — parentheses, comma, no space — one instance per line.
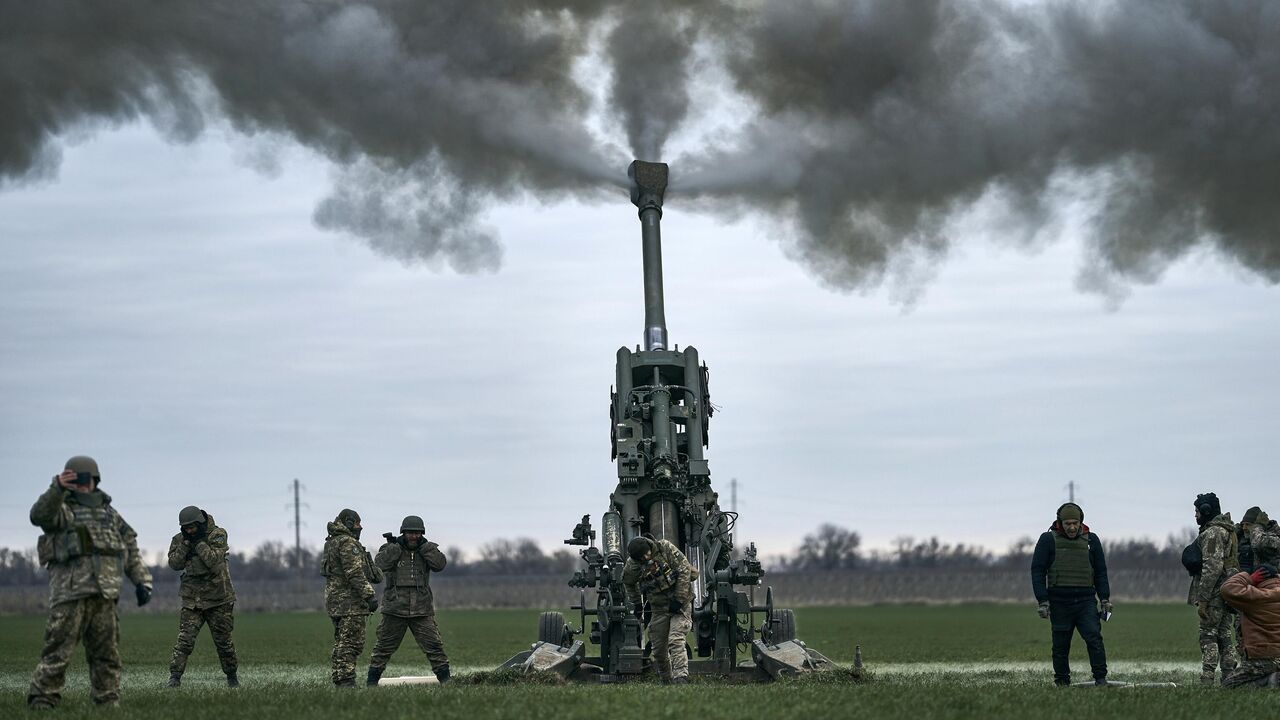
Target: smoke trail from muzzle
(429,110)
(876,126)
(882,122)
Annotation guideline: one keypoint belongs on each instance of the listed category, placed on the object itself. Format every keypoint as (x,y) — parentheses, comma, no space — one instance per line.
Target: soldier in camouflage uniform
(408,561)
(349,597)
(1219,556)
(656,571)
(87,547)
(1264,537)
(199,552)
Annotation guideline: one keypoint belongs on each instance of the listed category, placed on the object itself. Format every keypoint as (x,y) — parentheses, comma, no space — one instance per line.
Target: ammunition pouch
(66,545)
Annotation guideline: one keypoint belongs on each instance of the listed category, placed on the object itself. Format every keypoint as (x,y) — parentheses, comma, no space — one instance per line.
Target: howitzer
(660,411)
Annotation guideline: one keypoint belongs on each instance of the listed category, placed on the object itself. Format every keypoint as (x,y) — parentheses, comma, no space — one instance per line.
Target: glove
(144,594)
(638,609)
(372,603)
(390,538)
(1106,608)
(1043,610)
(1202,609)
(1265,571)
(675,606)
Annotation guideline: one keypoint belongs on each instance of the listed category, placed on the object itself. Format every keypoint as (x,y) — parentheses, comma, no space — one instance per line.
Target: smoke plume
(873,127)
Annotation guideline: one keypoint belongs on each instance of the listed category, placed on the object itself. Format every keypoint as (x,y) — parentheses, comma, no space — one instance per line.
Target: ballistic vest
(1072,565)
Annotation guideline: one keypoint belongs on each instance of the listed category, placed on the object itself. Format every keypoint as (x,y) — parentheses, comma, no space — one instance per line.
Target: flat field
(958,661)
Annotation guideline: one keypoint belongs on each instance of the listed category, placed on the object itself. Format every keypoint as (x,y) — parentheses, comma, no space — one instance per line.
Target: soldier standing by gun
(1264,537)
(349,597)
(658,572)
(87,546)
(199,552)
(1068,571)
(408,561)
(1218,553)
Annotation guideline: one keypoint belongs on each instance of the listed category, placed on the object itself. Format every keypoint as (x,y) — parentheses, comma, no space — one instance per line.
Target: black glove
(1043,610)
(144,594)
(638,609)
(675,606)
(1267,570)
(372,603)
(390,538)
(404,543)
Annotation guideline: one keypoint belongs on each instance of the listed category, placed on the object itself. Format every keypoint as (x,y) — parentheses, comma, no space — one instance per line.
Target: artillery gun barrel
(648,185)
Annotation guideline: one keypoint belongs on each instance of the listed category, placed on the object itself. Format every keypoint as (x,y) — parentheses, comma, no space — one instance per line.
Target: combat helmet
(413,523)
(85,464)
(191,515)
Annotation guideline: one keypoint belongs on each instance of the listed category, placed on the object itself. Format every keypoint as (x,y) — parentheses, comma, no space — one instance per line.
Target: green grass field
(987,661)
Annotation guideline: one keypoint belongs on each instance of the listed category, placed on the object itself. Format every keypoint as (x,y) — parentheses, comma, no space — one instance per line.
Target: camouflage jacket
(86,545)
(349,573)
(1266,543)
(408,574)
(206,581)
(668,574)
(1219,557)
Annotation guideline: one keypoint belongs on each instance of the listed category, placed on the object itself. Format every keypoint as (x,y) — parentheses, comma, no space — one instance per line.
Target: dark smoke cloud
(881,122)
(876,125)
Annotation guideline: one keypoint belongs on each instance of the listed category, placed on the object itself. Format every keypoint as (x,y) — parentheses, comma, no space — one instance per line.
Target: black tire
(551,627)
(783,624)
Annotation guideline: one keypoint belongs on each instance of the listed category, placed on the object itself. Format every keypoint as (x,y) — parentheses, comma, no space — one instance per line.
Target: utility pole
(733,507)
(1071,491)
(297,525)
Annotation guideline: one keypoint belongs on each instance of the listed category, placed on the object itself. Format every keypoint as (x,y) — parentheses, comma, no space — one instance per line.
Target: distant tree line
(829,547)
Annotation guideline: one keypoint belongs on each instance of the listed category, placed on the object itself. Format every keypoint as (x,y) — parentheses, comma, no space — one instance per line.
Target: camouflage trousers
(94,621)
(1217,641)
(348,645)
(221,620)
(667,639)
(1255,673)
(391,631)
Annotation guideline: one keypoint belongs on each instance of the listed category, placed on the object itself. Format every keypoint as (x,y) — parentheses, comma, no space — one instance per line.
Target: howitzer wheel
(551,628)
(782,625)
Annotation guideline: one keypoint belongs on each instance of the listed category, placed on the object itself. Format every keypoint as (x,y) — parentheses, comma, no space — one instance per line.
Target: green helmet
(191,515)
(84,464)
(412,523)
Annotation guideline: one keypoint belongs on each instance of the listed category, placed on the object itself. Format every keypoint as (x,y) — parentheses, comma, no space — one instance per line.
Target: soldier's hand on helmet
(144,594)
(675,606)
(1043,610)
(372,603)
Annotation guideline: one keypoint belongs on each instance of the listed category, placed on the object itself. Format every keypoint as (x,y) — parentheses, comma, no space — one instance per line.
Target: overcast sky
(172,309)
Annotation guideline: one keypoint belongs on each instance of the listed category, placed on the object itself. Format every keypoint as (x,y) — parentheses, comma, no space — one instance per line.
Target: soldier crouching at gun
(1256,596)
(656,571)
(407,604)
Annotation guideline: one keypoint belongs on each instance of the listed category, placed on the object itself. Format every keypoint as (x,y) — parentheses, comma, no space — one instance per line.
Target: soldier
(1069,578)
(408,561)
(1264,537)
(1245,564)
(1219,555)
(87,546)
(199,552)
(658,572)
(1257,597)
(349,597)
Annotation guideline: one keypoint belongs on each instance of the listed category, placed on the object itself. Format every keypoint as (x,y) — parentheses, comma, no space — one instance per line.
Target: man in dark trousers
(1069,578)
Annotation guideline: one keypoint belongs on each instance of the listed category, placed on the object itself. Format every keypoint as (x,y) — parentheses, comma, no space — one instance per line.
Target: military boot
(443,674)
(175,680)
(345,683)
(375,674)
(1273,680)
(232,680)
(682,680)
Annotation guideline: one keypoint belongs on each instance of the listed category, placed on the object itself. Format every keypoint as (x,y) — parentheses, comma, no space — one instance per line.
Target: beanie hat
(348,518)
(1070,511)
(1208,506)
